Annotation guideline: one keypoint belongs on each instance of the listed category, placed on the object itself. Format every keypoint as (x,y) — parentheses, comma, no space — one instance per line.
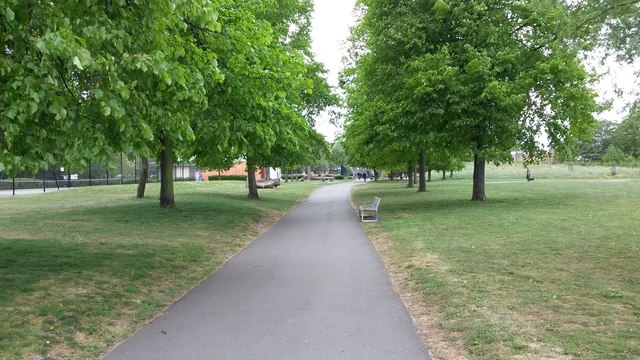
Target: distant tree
(614,156)
(626,136)
(594,149)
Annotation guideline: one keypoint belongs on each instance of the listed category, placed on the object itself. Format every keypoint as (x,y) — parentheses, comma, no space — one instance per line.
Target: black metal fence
(117,171)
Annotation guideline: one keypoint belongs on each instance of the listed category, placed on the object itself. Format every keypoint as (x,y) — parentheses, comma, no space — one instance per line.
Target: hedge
(292,176)
(227,177)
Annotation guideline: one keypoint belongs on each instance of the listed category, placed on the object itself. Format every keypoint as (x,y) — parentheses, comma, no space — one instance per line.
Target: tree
(626,136)
(264,111)
(614,156)
(478,76)
(594,150)
(81,80)
(609,24)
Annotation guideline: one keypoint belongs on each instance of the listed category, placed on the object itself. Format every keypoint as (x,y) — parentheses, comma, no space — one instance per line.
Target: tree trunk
(421,166)
(444,174)
(429,175)
(478,179)
(410,171)
(451,174)
(251,180)
(166,174)
(144,176)
(415,176)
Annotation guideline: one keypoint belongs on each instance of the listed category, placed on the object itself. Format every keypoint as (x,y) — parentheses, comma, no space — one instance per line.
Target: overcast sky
(331,22)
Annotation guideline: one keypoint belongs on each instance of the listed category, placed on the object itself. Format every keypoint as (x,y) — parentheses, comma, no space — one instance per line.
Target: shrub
(339,177)
(227,177)
(292,176)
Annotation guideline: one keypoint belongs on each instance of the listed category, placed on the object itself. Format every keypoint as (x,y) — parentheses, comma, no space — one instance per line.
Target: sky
(330,30)
(331,22)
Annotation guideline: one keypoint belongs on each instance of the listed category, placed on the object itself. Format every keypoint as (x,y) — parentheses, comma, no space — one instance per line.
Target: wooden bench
(370,208)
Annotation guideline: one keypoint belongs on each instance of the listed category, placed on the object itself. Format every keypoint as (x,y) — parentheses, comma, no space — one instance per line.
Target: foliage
(273,88)
(595,149)
(614,155)
(84,79)
(627,134)
(227,177)
(610,24)
(464,76)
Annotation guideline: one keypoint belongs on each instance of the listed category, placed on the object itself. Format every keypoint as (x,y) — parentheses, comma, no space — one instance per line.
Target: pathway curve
(311,287)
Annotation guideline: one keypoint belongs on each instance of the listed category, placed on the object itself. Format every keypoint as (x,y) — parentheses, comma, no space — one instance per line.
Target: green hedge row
(227,177)
(292,176)
(339,177)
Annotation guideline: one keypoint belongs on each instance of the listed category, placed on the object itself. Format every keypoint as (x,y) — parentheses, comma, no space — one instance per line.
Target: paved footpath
(311,287)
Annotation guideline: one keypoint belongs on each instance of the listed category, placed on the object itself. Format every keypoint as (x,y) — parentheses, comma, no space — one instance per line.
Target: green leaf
(42,46)
(9,14)
(10,112)
(106,110)
(33,107)
(77,63)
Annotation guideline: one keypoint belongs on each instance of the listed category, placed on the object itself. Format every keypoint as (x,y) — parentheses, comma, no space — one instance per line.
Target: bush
(339,177)
(292,176)
(227,177)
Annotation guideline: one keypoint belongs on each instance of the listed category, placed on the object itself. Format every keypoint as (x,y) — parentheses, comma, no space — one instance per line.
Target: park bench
(369,210)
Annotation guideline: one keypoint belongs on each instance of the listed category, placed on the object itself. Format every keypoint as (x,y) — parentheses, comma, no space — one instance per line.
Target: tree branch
(64,81)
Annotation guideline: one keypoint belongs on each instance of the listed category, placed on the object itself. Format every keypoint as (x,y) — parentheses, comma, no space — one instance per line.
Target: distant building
(240,169)
(518,156)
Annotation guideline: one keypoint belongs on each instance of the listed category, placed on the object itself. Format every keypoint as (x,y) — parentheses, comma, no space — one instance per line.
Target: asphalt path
(311,287)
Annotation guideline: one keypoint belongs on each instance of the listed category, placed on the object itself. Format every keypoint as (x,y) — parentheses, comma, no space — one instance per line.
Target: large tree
(483,76)
(81,80)
(264,110)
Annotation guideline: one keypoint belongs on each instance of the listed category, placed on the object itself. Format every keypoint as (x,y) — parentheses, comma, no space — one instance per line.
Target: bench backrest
(376,201)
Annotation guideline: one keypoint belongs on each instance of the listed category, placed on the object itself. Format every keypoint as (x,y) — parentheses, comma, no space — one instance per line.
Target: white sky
(331,22)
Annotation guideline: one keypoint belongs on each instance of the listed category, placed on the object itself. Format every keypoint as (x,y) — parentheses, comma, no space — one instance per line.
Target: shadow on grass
(218,212)
(24,264)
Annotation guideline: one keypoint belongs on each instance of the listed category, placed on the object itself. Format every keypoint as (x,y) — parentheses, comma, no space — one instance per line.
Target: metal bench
(369,209)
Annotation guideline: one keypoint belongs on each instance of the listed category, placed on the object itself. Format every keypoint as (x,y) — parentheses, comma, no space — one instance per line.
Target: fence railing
(118,171)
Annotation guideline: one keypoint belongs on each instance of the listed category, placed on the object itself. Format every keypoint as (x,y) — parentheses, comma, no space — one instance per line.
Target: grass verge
(82,269)
(543,270)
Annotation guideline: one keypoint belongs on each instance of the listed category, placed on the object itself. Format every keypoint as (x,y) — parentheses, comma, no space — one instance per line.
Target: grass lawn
(80,270)
(543,270)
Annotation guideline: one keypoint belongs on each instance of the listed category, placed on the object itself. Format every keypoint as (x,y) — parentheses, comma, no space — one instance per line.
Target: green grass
(543,270)
(81,269)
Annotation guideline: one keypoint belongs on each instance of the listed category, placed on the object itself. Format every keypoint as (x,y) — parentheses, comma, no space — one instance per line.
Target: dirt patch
(83,339)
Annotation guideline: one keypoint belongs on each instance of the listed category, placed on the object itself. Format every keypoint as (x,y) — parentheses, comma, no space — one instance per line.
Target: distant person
(364,176)
(359,175)
(529,177)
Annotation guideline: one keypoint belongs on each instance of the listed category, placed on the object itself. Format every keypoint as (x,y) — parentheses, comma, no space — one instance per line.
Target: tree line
(206,81)
(432,82)
(612,143)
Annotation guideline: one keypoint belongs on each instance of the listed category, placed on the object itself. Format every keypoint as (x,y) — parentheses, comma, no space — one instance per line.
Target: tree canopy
(208,80)
(483,77)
